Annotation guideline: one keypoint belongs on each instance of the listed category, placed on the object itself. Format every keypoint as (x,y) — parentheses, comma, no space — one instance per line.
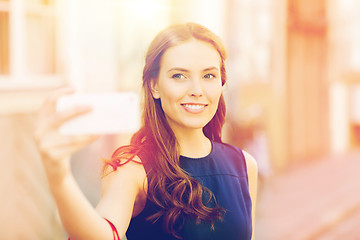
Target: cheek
(169,93)
(215,93)
(169,99)
(172,92)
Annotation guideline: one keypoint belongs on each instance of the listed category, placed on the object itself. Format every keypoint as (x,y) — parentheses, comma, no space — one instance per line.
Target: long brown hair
(176,193)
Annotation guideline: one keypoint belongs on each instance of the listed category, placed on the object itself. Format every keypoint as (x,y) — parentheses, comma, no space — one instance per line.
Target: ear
(154,89)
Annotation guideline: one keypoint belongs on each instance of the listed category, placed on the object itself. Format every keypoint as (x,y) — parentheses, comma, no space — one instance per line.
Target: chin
(196,125)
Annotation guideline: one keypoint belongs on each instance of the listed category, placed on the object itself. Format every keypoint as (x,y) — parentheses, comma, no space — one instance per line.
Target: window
(27,43)
(251,39)
(4,38)
(39,38)
(345,34)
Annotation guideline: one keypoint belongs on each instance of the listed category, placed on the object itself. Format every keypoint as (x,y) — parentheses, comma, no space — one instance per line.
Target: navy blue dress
(224,173)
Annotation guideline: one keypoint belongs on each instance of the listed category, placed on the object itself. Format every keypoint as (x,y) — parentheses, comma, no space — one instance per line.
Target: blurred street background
(293,101)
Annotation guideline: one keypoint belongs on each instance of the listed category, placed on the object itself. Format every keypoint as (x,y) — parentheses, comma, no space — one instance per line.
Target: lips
(194,107)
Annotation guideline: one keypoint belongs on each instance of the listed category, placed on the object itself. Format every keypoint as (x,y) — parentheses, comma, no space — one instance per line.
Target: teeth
(194,106)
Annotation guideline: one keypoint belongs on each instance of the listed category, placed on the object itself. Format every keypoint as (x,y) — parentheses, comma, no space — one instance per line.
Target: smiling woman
(189,86)
(176,179)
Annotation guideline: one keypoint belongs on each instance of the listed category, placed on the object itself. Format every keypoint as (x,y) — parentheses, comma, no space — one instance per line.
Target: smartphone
(112,113)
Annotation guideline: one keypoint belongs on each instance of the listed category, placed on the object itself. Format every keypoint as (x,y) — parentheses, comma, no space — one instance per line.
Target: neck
(193,143)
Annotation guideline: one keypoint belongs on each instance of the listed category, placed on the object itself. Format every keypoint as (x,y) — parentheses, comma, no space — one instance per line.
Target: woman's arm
(252,170)
(119,192)
(123,194)
(79,218)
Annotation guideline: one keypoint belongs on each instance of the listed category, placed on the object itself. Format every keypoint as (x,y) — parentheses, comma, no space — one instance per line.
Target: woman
(176,179)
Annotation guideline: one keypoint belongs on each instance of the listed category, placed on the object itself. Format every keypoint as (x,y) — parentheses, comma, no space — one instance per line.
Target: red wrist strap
(115,233)
(113,228)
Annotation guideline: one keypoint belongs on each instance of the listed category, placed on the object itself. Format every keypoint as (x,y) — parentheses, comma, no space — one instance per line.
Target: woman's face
(189,84)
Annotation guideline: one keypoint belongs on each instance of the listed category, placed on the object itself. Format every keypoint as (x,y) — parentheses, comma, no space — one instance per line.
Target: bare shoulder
(251,164)
(123,189)
(131,173)
(122,193)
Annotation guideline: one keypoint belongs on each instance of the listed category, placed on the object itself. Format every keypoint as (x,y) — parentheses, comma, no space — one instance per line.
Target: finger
(65,146)
(50,101)
(53,122)
(49,106)
(46,114)
(61,117)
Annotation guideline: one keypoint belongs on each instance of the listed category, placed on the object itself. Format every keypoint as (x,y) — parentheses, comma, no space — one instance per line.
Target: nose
(196,88)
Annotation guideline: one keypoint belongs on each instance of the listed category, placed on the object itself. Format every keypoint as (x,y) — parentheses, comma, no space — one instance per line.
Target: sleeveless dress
(224,173)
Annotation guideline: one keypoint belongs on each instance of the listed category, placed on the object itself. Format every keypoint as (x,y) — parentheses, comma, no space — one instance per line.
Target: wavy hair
(175,193)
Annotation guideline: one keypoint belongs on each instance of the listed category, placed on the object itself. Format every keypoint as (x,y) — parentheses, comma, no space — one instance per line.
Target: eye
(178,76)
(209,76)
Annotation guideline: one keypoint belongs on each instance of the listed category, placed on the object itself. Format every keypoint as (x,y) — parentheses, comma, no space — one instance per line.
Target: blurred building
(292,94)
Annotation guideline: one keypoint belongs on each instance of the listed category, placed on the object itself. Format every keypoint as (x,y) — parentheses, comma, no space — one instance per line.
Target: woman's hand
(55,148)
(78,216)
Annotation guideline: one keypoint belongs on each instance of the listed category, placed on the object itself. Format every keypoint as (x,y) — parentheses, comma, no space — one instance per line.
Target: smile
(194,108)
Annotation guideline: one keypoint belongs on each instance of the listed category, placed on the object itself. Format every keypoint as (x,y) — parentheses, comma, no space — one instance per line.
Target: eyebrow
(185,70)
(178,69)
(210,69)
